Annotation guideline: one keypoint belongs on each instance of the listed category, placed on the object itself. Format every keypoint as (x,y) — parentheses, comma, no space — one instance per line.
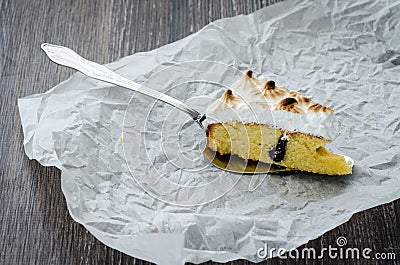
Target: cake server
(67,57)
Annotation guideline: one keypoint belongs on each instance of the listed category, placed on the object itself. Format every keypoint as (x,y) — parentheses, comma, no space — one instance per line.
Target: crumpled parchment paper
(346,54)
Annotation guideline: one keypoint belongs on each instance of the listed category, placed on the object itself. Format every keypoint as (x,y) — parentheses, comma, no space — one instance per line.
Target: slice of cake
(262,121)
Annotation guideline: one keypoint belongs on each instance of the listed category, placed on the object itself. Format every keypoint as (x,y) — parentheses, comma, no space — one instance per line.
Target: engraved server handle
(67,57)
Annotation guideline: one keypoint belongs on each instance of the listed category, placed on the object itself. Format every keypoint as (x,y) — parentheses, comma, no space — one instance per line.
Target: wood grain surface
(35,224)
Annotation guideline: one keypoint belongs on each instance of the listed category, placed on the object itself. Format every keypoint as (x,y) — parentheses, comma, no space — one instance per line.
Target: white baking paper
(345,54)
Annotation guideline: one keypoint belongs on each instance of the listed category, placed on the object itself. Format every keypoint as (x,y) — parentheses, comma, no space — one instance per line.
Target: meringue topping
(290,110)
(227,100)
(289,104)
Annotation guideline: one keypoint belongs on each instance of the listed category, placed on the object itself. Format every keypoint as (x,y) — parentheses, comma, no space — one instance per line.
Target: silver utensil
(67,57)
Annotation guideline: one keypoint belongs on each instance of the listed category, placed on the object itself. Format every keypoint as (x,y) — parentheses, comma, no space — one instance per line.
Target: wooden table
(35,225)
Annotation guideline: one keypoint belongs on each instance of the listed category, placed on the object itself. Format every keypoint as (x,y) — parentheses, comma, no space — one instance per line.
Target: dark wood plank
(35,225)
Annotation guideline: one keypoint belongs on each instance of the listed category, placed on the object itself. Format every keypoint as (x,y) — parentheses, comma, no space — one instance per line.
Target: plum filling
(278,152)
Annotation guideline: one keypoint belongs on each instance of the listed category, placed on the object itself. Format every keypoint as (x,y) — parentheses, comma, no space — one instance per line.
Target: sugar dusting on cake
(254,100)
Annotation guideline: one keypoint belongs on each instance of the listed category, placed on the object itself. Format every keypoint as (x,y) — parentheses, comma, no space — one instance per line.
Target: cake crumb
(327,99)
(121,139)
(153,228)
(285,136)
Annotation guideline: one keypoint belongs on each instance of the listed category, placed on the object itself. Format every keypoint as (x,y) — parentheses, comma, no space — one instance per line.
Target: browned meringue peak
(300,98)
(227,100)
(247,85)
(289,104)
(316,107)
(271,91)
